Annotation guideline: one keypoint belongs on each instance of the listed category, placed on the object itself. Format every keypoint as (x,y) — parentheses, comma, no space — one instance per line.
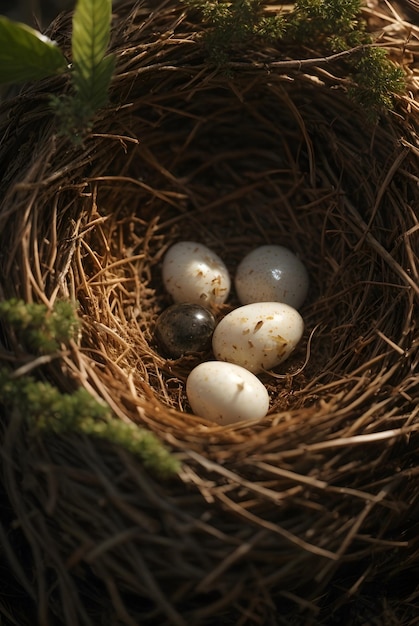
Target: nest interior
(298,513)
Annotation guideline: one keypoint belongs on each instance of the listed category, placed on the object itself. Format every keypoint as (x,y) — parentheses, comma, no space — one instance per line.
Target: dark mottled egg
(184,328)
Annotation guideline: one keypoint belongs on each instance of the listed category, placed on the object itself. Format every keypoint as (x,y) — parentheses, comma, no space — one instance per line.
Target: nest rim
(356,415)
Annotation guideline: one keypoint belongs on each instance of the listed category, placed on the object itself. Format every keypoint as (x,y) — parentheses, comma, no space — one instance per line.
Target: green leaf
(90,40)
(94,91)
(26,54)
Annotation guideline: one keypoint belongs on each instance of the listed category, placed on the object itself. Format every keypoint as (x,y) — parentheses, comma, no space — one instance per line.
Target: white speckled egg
(258,336)
(194,273)
(226,393)
(272,274)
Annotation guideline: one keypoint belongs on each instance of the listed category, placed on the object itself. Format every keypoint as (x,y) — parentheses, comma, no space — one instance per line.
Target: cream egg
(271,274)
(258,336)
(226,393)
(194,273)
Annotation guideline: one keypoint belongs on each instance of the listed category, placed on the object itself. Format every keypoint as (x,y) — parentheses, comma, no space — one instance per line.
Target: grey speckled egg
(271,274)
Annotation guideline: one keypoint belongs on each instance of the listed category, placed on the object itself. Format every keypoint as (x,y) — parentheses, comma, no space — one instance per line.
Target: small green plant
(332,26)
(236,22)
(336,25)
(335,22)
(46,409)
(375,80)
(27,55)
(39,329)
(329,26)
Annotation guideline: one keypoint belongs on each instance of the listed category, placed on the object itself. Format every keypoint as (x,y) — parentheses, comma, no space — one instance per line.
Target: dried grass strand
(324,488)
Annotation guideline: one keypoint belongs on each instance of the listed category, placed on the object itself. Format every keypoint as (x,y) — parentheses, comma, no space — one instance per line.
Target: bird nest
(287,519)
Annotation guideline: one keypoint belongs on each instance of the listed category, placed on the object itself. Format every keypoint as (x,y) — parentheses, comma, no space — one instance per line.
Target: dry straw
(310,516)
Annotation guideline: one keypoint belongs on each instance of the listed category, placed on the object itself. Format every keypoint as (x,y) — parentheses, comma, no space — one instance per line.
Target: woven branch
(284,521)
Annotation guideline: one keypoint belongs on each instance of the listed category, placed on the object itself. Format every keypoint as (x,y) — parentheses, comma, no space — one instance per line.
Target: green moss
(46,409)
(136,440)
(376,78)
(335,22)
(336,25)
(39,329)
(318,27)
(236,22)
(74,117)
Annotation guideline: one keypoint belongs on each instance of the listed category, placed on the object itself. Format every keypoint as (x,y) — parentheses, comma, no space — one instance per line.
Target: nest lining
(327,478)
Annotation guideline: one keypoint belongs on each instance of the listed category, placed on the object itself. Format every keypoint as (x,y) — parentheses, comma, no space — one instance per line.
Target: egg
(194,273)
(226,393)
(258,336)
(184,328)
(271,274)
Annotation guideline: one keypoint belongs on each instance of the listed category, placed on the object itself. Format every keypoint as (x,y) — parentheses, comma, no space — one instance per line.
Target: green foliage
(92,70)
(25,54)
(310,22)
(75,119)
(376,79)
(234,23)
(335,22)
(39,329)
(336,25)
(136,440)
(322,27)
(46,409)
